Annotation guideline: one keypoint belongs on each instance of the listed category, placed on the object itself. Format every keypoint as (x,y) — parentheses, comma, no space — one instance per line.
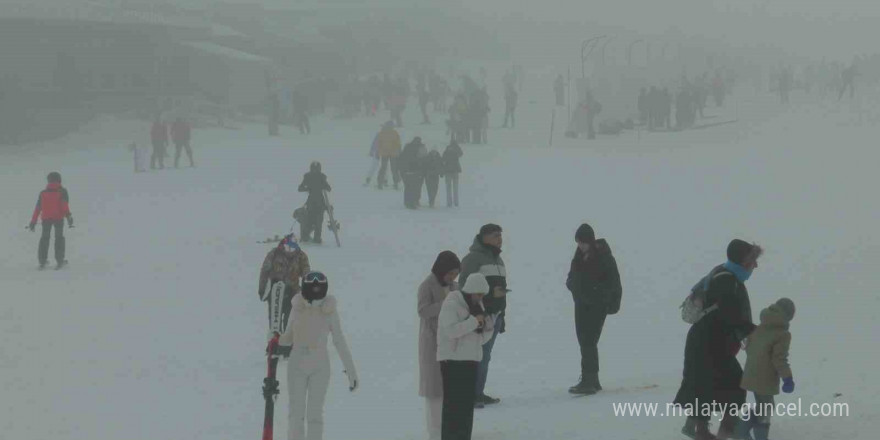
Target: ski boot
(61,264)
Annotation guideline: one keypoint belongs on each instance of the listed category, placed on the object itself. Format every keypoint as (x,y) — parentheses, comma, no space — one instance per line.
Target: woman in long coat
(712,373)
(432,292)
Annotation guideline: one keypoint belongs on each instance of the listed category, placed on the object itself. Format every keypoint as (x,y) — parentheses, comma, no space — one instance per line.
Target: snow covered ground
(154,331)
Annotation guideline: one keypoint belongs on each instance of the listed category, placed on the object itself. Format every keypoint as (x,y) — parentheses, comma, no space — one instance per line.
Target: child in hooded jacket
(767,349)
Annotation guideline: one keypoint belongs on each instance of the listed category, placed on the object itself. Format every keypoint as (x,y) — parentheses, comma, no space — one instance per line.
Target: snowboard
(332,224)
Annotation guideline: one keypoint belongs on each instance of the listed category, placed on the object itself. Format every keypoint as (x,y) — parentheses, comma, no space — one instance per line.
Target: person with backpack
(767,363)
(313,320)
(464,327)
(286,262)
(433,171)
(712,374)
(315,183)
(594,283)
(52,207)
(432,292)
(451,170)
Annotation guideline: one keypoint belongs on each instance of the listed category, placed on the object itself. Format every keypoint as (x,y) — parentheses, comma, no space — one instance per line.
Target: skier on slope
(314,318)
(52,206)
(287,263)
(315,183)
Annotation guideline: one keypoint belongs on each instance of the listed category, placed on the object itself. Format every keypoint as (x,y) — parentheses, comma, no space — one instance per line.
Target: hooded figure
(711,370)
(287,263)
(432,293)
(412,168)
(315,183)
(314,318)
(767,363)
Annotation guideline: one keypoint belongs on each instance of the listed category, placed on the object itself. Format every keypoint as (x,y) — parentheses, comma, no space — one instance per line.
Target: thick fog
(422,219)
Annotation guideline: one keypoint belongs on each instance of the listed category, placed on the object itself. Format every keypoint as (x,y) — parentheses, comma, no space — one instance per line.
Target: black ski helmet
(315,167)
(54,177)
(314,286)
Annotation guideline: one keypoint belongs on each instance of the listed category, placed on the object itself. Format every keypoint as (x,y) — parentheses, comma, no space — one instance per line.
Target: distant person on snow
(287,263)
(451,170)
(484,258)
(375,160)
(159,138)
(594,283)
(767,364)
(433,171)
(181,135)
(53,207)
(314,318)
(412,169)
(510,97)
(389,147)
(315,183)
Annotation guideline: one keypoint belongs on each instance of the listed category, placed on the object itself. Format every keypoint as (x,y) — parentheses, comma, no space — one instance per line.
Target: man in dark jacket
(52,206)
(712,373)
(485,258)
(181,134)
(314,183)
(594,283)
(411,164)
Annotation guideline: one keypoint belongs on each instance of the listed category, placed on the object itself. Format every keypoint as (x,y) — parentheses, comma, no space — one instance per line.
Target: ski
(332,224)
(270,388)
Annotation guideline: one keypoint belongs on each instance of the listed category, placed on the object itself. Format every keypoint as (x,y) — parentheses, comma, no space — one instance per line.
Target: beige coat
(767,351)
(310,325)
(431,296)
(388,143)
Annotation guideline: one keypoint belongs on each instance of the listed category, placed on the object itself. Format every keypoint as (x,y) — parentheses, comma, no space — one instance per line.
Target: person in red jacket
(52,206)
(181,134)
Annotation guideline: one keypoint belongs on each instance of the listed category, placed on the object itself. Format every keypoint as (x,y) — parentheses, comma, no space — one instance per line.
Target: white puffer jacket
(310,324)
(457,339)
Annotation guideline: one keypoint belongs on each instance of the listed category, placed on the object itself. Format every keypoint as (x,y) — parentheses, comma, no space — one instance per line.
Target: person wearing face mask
(594,283)
(432,293)
(463,327)
(712,374)
(313,319)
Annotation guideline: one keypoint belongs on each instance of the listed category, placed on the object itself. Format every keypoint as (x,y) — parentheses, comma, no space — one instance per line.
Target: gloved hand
(70,221)
(352,380)
(788,385)
(31,227)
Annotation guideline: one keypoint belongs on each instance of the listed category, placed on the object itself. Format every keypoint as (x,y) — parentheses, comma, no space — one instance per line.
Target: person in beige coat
(313,319)
(767,362)
(462,328)
(432,292)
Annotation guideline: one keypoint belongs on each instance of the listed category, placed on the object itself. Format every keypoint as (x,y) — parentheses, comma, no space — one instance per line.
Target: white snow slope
(155,331)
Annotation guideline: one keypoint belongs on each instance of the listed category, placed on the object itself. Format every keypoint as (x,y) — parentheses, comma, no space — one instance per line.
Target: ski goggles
(315,277)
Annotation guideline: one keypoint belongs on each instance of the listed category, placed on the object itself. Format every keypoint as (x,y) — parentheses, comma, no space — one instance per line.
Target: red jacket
(53,203)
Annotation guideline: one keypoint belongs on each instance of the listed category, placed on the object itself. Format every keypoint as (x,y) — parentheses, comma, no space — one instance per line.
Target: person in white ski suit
(313,318)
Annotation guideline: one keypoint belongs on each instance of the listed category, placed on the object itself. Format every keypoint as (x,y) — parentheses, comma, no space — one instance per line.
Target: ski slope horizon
(155,331)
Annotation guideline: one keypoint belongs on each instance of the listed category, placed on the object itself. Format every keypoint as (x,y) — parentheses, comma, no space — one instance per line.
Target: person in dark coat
(411,164)
(594,283)
(315,183)
(451,170)
(181,134)
(159,139)
(433,170)
(712,373)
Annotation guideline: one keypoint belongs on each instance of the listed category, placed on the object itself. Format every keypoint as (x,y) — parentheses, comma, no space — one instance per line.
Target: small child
(767,363)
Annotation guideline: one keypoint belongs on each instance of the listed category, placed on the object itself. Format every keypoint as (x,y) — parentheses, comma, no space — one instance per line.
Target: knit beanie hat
(787,307)
(476,283)
(54,177)
(585,234)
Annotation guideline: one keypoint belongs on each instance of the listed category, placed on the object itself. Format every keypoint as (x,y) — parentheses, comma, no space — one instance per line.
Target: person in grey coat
(432,292)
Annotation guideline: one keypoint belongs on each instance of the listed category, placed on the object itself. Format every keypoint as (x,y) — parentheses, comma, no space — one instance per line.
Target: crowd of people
(162,135)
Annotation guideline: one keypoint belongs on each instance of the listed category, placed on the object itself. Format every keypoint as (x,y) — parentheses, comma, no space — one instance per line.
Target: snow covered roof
(90,10)
(229,52)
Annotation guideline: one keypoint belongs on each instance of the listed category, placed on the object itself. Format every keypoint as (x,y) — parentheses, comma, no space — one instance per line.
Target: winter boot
(478,404)
(42,265)
(701,430)
(690,428)
(727,427)
(487,400)
(761,430)
(584,387)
